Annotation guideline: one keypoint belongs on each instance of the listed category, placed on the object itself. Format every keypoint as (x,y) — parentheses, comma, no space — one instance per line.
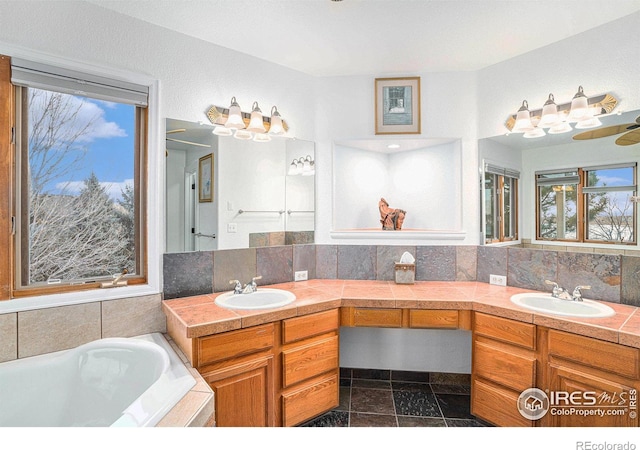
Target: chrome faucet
(251,287)
(558,292)
(577,293)
(248,288)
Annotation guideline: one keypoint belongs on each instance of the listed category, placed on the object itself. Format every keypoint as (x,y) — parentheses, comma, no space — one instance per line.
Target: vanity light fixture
(241,125)
(302,166)
(557,118)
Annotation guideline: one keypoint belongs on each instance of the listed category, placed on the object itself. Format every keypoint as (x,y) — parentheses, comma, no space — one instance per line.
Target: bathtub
(130,382)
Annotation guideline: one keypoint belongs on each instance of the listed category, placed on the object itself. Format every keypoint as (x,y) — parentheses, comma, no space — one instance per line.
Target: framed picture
(205,178)
(398,105)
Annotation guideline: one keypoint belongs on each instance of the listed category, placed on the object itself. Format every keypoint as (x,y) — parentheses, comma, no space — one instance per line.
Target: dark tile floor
(386,398)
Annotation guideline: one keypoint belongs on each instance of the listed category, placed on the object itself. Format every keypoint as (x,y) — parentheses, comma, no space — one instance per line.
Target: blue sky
(109,147)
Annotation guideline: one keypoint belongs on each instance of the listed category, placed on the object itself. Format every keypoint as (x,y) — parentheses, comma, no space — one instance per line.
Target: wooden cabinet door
(244,393)
(612,400)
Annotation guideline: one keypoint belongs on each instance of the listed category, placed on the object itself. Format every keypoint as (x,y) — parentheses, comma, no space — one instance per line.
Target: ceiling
(381,37)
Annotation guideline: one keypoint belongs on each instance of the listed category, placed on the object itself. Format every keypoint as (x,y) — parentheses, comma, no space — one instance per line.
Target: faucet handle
(238,286)
(551,282)
(259,277)
(580,288)
(577,293)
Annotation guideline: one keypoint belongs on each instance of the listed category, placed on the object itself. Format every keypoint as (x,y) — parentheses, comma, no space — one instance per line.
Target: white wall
(603,59)
(300,190)
(251,177)
(345,110)
(175,198)
(423,182)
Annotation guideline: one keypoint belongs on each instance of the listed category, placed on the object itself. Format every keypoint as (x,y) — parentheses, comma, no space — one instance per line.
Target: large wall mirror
(562,151)
(225,193)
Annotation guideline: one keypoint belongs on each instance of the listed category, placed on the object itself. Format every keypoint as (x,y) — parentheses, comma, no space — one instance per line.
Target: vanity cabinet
(598,375)
(503,365)
(280,373)
(310,366)
(239,367)
(405,318)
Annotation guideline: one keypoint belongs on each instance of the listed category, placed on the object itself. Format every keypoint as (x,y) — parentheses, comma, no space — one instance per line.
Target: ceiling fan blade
(188,143)
(603,132)
(630,138)
(177,130)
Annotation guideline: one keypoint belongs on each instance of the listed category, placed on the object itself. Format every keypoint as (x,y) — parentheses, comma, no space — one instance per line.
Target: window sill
(74,298)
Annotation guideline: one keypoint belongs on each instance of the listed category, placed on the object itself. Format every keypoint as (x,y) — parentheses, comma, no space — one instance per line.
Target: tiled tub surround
(612,277)
(35,332)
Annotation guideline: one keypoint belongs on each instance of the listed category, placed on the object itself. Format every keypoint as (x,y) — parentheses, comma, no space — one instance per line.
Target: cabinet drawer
(306,361)
(506,330)
(433,318)
(497,405)
(517,372)
(307,326)
(368,317)
(591,352)
(231,344)
(310,400)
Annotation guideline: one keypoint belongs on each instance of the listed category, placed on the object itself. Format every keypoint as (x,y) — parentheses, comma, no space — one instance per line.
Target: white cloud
(81,114)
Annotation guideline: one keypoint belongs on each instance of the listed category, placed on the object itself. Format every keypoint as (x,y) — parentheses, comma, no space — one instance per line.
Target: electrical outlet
(498,280)
(232,227)
(301,275)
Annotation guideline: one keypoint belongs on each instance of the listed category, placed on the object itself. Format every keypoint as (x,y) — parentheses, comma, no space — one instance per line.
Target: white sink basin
(263,298)
(547,304)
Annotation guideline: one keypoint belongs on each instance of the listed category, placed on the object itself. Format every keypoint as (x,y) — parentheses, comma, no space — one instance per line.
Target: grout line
(435,397)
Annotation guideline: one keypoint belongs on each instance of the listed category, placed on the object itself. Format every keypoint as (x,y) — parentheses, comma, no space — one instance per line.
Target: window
(500,204)
(587,204)
(80,153)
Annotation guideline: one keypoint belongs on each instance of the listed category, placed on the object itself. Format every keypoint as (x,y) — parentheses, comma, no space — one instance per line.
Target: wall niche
(419,176)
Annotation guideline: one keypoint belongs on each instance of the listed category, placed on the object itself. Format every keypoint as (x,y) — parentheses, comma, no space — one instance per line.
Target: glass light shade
(234,119)
(276,122)
(523,119)
(243,134)
(589,122)
(256,124)
(261,137)
(534,133)
(222,131)
(579,106)
(293,168)
(306,165)
(311,170)
(559,128)
(549,113)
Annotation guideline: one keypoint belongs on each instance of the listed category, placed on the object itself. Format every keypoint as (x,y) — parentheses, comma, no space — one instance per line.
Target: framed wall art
(397,105)
(205,178)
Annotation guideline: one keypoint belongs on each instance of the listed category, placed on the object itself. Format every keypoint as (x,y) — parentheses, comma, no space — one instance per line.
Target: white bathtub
(108,382)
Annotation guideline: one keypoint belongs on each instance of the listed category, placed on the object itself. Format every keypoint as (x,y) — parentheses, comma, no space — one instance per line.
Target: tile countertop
(200,316)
